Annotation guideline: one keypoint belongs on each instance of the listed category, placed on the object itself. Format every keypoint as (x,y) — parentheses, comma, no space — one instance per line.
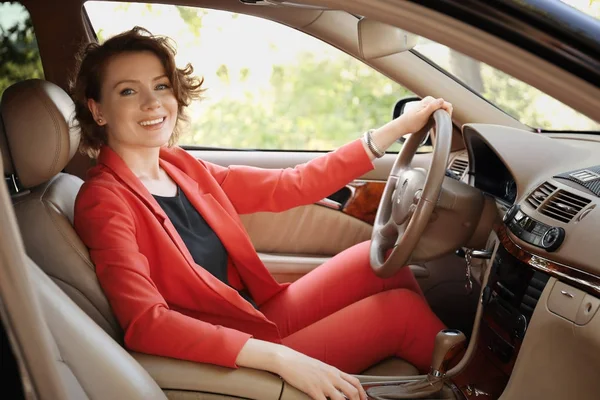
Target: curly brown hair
(89,75)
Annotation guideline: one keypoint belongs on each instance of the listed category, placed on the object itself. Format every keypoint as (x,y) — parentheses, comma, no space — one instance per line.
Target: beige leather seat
(37,144)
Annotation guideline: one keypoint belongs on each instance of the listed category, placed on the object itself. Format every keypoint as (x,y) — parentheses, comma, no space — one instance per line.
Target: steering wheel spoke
(390,229)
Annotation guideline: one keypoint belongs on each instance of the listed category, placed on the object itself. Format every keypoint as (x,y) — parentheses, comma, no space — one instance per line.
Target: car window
(19,54)
(518,99)
(590,7)
(268,85)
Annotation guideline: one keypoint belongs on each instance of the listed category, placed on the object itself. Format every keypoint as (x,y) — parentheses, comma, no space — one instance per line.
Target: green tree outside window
(19,54)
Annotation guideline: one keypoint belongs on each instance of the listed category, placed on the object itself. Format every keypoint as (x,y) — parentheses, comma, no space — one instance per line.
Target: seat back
(61,352)
(38,141)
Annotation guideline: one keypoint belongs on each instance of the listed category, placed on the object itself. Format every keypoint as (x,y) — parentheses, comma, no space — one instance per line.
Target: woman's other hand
(313,377)
(317,379)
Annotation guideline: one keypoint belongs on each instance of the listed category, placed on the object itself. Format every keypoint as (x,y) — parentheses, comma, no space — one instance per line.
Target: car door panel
(305,230)
(294,242)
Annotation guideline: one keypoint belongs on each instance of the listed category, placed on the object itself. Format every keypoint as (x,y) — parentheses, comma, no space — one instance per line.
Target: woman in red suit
(173,257)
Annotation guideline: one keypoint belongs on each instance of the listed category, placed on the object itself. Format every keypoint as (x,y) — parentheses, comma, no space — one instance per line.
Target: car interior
(501,233)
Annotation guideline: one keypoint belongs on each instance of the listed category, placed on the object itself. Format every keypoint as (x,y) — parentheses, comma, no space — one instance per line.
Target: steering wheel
(409,198)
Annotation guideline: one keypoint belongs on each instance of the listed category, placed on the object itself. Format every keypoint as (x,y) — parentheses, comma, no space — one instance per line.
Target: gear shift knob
(447,343)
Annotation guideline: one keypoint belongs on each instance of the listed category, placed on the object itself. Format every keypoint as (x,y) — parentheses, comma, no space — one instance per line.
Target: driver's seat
(37,144)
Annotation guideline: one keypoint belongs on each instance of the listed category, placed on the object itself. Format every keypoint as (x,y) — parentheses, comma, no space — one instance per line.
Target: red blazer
(167,304)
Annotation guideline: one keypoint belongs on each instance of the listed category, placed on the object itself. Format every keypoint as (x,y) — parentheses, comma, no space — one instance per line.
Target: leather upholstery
(45,216)
(36,111)
(300,231)
(64,355)
(173,374)
(90,364)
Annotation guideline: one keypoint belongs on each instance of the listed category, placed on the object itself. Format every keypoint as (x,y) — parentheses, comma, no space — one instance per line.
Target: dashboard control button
(519,216)
(553,238)
(508,215)
(533,231)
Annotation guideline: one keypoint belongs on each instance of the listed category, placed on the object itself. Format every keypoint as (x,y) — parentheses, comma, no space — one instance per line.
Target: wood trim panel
(482,379)
(580,279)
(365,200)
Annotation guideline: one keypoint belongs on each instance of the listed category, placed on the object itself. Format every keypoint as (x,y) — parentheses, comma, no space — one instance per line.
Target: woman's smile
(153,124)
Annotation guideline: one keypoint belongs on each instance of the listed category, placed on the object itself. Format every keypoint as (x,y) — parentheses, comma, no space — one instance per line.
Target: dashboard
(547,190)
(545,235)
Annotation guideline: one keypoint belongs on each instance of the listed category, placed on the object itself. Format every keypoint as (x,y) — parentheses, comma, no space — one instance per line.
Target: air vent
(540,194)
(563,206)
(584,175)
(458,167)
(532,294)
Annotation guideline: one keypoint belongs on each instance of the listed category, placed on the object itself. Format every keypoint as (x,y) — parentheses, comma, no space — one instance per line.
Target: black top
(204,245)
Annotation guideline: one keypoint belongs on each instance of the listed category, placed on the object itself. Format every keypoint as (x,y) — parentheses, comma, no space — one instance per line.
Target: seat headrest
(39,136)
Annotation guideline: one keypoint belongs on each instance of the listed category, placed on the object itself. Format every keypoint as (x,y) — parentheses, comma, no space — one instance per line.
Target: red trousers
(344,315)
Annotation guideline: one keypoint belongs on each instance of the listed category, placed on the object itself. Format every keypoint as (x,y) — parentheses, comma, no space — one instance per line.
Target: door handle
(334,205)
(337,200)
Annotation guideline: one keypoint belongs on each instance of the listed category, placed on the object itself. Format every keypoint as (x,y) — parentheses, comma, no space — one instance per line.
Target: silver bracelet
(368,138)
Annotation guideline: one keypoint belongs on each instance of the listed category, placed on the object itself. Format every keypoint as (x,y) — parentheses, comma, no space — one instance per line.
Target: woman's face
(137,103)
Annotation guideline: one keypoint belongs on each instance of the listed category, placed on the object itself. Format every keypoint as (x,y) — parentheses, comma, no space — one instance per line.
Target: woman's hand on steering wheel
(415,118)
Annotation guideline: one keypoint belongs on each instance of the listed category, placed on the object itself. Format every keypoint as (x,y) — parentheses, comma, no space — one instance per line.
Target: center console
(509,299)
(532,231)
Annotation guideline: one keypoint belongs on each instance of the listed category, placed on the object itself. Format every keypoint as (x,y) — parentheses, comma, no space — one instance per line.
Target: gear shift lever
(448,343)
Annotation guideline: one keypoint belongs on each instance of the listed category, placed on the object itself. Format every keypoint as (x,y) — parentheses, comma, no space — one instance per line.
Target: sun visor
(376,39)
